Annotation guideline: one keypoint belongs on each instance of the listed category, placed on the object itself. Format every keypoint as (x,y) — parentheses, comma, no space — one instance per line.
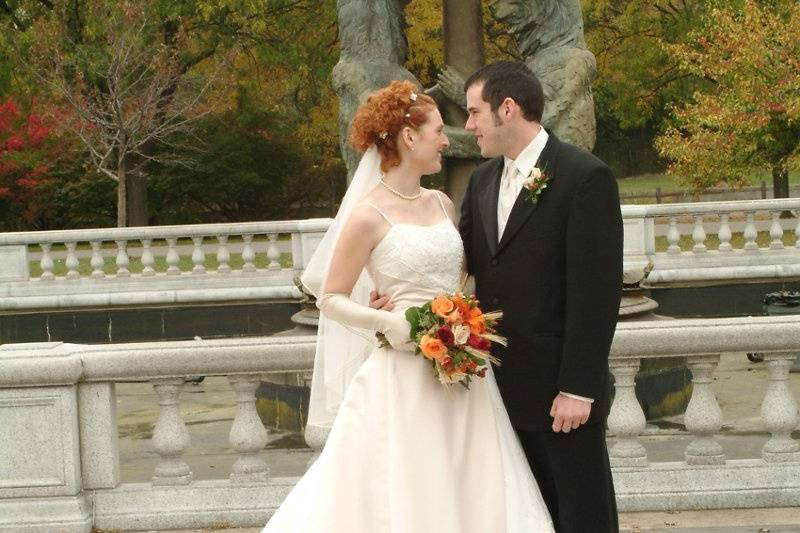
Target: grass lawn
(185,264)
(258,240)
(647,183)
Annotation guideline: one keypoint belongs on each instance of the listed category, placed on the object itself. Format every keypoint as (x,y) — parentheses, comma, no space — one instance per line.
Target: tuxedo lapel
(523,206)
(488,203)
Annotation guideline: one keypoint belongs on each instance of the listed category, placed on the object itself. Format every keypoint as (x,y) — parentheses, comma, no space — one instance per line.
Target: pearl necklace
(398,193)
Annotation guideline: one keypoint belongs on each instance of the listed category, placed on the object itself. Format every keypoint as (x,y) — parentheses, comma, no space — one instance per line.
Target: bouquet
(455,335)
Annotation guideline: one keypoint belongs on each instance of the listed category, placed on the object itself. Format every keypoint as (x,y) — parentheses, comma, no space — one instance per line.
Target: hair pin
(413,96)
(383,135)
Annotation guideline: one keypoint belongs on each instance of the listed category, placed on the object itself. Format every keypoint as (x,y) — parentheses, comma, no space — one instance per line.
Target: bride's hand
(380,302)
(398,332)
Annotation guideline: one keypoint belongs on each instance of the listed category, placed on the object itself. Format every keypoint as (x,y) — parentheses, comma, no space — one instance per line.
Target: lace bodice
(414,263)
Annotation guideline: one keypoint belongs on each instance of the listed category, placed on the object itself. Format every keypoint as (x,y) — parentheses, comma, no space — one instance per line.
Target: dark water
(145,324)
(731,300)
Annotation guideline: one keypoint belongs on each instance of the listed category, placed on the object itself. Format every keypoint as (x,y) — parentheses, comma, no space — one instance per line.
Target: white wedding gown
(407,454)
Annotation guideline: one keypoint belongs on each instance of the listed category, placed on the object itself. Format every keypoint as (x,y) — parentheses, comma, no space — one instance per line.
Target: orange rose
(477,324)
(432,348)
(442,306)
(462,306)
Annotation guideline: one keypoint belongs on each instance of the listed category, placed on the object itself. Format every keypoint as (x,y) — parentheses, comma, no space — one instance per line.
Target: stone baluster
(724,234)
(72,261)
(248,254)
(298,261)
(779,411)
(673,236)
(46,262)
(797,232)
(699,235)
(750,234)
(148,261)
(223,255)
(97,261)
(172,257)
(626,419)
(198,256)
(703,417)
(273,253)
(122,260)
(776,232)
(248,436)
(170,436)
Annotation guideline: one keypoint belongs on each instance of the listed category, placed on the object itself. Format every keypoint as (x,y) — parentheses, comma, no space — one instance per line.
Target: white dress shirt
(514,171)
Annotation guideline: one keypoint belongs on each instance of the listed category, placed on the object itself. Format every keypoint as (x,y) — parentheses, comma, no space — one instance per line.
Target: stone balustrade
(706,478)
(158,264)
(213,262)
(714,241)
(59,459)
(60,467)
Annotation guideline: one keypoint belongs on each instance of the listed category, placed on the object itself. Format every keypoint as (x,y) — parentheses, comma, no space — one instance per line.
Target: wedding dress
(407,454)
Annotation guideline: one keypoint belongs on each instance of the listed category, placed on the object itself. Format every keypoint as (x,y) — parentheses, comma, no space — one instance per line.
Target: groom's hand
(380,302)
(569,413)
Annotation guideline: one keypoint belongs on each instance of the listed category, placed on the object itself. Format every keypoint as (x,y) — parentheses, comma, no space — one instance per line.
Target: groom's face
(485,124)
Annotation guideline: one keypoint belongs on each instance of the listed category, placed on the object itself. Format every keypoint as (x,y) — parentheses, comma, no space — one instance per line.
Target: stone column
(463,51)
(626,419)
(703,417)
(779,411)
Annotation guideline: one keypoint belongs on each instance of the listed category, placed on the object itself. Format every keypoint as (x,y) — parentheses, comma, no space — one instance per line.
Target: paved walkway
(208,409)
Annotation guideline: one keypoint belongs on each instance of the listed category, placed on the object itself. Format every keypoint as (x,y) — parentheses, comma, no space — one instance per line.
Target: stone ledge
(210,503)
(746,483)
(149,295)
(45,515)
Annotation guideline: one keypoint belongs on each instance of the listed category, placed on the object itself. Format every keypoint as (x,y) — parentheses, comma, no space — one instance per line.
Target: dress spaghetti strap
(441,203)
(375,207)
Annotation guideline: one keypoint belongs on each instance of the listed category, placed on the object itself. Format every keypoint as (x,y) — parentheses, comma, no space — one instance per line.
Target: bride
(405,454)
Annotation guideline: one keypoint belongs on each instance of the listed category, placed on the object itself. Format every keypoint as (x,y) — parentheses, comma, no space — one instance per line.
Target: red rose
(479,343)
(447,363)
(446,336)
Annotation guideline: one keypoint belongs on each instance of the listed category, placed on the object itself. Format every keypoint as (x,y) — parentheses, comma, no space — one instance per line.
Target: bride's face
(429,141)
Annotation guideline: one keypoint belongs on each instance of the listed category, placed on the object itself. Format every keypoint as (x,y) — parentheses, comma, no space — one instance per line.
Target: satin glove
(342,309)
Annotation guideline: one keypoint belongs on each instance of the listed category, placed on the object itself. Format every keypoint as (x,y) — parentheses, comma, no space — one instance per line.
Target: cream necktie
(508,196)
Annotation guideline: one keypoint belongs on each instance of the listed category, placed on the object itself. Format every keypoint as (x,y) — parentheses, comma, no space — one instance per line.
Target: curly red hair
(386,111)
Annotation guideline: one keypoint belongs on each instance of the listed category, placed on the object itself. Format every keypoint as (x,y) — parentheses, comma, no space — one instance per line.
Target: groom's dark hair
(510,79)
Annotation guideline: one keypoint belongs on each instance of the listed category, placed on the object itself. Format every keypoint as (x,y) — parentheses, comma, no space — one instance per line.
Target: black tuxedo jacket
(557,276)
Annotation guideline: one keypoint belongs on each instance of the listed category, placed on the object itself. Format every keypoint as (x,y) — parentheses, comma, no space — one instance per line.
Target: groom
(552,261)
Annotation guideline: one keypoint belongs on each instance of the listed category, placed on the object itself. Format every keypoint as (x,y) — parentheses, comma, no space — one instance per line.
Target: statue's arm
(462,143)
(449,86)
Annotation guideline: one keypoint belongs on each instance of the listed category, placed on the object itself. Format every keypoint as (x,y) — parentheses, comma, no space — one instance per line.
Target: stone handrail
(690,255)
(60,399)
(735,206)
(155,265)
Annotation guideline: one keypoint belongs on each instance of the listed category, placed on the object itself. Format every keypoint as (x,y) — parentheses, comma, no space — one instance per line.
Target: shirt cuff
(576,397)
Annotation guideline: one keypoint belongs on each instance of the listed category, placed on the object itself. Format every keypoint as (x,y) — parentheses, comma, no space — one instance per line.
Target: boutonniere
(536,182)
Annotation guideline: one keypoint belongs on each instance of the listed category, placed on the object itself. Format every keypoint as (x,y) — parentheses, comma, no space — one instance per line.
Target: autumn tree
(637,78)
(749,116)
(281,63)
(27,155)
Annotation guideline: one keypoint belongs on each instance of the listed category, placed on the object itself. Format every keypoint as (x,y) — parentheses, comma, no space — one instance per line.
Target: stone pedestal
(13,263)
(40,464)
